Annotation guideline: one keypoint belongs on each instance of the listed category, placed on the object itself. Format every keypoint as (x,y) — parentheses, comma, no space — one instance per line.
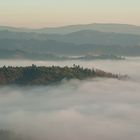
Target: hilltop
(33,75)
(103,27)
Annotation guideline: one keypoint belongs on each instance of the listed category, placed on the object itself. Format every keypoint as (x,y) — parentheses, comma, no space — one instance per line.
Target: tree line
(42,75)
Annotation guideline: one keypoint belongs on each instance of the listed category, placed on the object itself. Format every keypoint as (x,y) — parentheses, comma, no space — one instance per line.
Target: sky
(47,13)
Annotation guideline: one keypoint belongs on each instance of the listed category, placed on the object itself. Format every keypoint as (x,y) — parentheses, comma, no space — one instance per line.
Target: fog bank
(96,109)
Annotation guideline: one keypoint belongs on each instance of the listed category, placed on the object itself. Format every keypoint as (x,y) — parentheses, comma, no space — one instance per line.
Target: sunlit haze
(44,13)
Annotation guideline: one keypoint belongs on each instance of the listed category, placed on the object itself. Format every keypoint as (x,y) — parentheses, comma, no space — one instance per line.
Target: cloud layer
(100,109)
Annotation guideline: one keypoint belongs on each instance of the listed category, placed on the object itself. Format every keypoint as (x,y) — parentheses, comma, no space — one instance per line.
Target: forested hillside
(33,75)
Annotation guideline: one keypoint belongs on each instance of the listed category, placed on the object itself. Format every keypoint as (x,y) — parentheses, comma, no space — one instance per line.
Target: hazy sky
(43,13)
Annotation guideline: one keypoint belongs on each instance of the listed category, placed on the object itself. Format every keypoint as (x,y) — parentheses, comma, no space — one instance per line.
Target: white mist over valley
(92,109)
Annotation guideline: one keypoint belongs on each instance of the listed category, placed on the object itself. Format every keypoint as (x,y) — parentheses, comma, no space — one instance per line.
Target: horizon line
(67,25)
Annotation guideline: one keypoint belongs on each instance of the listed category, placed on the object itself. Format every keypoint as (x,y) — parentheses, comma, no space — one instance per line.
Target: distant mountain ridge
(61,48)
(116,28)
(79,37)
(70,40)
(103,27)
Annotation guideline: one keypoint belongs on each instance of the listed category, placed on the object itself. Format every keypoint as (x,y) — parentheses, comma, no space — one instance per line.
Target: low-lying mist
(96,109)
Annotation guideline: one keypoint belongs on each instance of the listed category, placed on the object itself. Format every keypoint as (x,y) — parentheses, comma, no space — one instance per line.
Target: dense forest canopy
(34,75)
